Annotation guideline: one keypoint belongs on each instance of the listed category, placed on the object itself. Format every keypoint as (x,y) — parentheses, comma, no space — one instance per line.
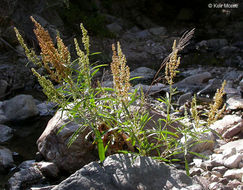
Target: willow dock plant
(191,134)
(75,94)
(117,117)
(106,111)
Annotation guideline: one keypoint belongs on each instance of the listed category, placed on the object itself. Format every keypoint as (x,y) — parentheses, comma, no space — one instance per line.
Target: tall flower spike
(83,62)
(85,38)
(194,111)
(63,50)
(30,53)
(80,53)
(84,58)
(120,72)
(49,90)
(215,112)
(172,65)
(52,58)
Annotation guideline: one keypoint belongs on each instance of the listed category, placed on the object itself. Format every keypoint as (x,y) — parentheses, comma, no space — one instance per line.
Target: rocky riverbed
(222,169)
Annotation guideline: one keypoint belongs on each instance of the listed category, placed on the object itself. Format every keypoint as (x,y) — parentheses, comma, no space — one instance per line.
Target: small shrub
(117,116)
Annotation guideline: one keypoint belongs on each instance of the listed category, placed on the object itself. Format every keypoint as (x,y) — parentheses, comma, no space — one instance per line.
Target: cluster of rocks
(17,109)
(203,81)
(29,173)
(150,46)
(220,50)
(22,107)
(223,169)
(116,172)
(128,172)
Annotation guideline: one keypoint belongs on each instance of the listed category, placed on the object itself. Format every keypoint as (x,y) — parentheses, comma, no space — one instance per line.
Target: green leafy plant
(191,133)
(119,118)
(104,110)
(173,146)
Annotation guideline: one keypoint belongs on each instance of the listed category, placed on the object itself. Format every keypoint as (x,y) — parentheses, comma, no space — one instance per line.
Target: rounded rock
(6,133)
(6,159)
(20,107)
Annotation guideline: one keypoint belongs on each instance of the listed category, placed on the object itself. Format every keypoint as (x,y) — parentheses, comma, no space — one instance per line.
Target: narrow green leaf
(187,167)
(95,53)
(198,154)
(135,78)
(108,89)
(162,159)
(168,133)
(94,72)
(98,66)
(100,146)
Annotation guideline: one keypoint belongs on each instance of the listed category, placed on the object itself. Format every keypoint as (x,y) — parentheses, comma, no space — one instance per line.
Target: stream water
(23,143)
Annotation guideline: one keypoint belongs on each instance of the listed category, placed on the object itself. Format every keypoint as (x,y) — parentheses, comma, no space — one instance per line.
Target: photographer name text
(223,5)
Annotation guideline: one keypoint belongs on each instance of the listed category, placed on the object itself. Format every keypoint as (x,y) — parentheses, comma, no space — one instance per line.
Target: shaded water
(23,143)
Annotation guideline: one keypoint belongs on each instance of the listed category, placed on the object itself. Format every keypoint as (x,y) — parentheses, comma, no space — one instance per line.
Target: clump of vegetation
(117,116)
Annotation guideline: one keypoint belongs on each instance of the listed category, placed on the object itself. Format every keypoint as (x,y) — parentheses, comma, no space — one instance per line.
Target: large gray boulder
(234,103)
(193,83)
(143,72)
(127,172)
(212,44)
(197,79)
(238,145)
(150,89)
(20,107)
(53,145)
(46,108)
(30,173)
(227,122)
(114,27)
(215,44)
(158,31)
(211,88)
